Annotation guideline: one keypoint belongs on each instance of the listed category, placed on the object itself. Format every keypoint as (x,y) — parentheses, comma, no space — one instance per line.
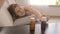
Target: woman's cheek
(21,14)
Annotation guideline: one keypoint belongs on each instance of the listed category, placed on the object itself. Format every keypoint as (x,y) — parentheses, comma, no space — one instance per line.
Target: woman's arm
(33,11)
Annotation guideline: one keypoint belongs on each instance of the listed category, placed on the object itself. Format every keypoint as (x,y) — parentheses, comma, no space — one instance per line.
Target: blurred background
(50,7)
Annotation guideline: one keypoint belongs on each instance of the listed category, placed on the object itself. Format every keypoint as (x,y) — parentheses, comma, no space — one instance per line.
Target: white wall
(52,11)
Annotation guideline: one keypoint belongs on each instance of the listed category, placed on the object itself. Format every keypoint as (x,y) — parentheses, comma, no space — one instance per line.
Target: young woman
(23,11)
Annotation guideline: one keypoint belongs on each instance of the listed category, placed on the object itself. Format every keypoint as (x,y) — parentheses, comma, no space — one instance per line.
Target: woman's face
(19,11)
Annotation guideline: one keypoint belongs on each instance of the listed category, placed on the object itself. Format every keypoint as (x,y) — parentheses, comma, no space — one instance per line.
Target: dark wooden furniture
(20,29)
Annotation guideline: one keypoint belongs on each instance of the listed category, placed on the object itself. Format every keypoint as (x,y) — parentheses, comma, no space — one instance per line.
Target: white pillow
(11,2)
(5,17)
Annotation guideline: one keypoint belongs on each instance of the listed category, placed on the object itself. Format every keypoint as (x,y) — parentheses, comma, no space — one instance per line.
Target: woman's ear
(1,3)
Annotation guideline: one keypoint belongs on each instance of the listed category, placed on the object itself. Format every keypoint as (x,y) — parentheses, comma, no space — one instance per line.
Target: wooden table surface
(53,28)
(22,29)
